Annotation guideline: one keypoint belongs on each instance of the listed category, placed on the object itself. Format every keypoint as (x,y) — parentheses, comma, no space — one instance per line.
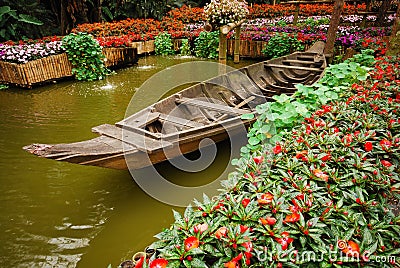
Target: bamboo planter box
(144,46)
(36,71)
(248,48)
(116,57)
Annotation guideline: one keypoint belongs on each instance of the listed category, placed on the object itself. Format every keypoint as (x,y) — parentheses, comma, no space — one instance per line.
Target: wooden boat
(177,124)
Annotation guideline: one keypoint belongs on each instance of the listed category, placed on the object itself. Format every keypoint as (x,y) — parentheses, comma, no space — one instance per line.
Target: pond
(64,215)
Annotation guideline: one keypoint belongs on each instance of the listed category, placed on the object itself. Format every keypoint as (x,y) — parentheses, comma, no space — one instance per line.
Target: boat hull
(177,124)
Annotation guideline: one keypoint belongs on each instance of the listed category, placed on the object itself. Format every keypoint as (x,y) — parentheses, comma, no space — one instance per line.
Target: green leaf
(197,263)
(247,116)
(29,19)
(253,141)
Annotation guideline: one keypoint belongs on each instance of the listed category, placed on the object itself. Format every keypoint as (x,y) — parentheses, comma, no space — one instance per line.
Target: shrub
(322,190)
(185,48)
(85,55)
(206,45)
(282,44)
(163,44)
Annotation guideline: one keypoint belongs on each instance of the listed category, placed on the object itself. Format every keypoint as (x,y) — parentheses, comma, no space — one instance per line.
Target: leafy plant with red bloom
(301,206)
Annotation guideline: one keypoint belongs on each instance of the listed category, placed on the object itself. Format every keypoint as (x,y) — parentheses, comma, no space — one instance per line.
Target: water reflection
(63,215)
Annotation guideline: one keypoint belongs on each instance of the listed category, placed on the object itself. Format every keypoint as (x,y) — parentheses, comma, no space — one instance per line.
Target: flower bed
(321,192)
(35,71)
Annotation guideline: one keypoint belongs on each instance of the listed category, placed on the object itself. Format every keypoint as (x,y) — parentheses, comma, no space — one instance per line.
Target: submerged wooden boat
(177,124)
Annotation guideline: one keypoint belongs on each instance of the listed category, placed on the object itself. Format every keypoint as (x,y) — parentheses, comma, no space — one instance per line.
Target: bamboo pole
(225,29)
(333,27)
(222,47)
(236,51)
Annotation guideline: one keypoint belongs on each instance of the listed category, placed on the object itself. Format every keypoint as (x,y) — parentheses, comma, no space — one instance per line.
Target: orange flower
(265,199)
(320,174)
(291,218)
(191,243)
(221,232)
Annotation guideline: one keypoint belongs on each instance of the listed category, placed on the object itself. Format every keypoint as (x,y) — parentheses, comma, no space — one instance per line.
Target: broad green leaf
(29,19)
(247,116)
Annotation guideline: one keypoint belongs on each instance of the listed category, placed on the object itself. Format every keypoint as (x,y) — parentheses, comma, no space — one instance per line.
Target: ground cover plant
(317,198)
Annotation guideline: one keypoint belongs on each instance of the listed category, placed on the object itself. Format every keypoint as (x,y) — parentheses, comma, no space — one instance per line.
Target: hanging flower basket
(222,12)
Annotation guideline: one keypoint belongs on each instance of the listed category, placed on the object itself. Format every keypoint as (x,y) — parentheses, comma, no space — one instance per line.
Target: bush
(206,45)
(163,44)
(322,190)
(85,55)
(185,48)
(282,44)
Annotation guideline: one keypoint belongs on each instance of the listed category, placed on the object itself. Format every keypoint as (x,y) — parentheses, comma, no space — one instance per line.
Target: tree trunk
(333,27)
(394,41)
(63,18)
(381,18)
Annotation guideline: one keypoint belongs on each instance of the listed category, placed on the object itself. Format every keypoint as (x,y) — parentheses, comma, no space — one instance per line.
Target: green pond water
(55,214)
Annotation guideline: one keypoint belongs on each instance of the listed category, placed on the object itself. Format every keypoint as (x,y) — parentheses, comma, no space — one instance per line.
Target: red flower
(191,242)
(221,232)
(258,159)
(285,240)
(248,246)
(386,163)
(326,157)
(277,149)
(234,262)
(265,199)
(245,202)
(243,228)
(295,217)
(268,220)
(368,146)
(139,264)
(347,139)
(159,263)
(319,174)
(385,144)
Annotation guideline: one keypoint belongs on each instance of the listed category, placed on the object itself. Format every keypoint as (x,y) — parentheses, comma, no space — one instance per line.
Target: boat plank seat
(212,106)
(300,68)
(181,122)
(141,142)
(139,121)
(301,62)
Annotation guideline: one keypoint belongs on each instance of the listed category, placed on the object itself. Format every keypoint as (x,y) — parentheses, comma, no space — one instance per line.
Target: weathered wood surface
(177,124)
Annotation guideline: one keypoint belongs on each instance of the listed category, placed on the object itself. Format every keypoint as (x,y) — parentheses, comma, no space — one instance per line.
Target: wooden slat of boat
(306,57)
(97,160)
(179,121)
(293,67)
(141,142)
(139,121)
(241,104)
(278,80)
(212,106)
(296,79)
(299,62)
